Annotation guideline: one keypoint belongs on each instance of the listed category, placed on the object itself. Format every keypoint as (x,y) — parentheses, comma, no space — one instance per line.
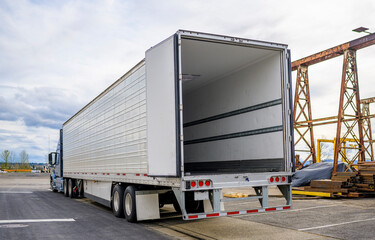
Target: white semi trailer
(199,114)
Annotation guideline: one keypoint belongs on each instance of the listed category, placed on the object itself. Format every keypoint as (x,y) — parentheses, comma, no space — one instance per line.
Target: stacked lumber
(347,184)
(366,173)
(334,187)
(325,185)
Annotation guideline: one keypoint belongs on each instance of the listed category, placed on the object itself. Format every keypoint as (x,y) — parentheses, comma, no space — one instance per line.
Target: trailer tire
(118,201)
(66,192)
(194,206)
(130,210)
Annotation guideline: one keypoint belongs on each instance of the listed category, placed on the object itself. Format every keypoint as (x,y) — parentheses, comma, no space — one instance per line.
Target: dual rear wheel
(123,202)
(72,188)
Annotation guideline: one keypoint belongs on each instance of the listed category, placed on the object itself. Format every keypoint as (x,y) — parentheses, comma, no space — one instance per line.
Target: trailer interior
(232,107)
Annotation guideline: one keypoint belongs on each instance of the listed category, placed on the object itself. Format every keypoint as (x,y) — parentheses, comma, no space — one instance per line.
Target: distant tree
(24,160)
(7,157)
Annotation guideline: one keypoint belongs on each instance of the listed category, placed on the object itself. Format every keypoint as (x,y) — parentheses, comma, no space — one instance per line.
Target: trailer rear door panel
(161,109)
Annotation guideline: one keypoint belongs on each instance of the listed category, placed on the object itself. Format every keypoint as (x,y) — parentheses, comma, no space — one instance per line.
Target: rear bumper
(215,202)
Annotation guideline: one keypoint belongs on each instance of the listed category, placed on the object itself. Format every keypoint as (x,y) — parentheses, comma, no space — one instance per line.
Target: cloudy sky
(55,56)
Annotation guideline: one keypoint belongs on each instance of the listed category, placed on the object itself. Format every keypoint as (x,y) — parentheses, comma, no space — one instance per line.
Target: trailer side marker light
(213,215)
(252,211)
(107,173)
(95,173)
(271,179)
(193,184)
(200,183)
(118,174)
(233,213)
(208,183)
(145,175)
(287,207)
(270,209)
(277,179)
(123,174)
(103,173)
(137,174)
(283,179)
(193,216)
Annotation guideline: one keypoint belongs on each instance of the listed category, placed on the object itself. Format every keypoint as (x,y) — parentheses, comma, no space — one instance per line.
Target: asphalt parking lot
(29,210)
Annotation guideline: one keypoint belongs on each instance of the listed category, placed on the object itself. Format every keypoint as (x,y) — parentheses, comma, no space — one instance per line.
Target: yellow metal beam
(316,194)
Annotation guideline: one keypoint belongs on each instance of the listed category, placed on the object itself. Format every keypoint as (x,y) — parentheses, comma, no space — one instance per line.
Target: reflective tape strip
(231,213)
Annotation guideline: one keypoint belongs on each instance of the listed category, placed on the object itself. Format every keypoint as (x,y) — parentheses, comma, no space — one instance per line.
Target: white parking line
(37,220)
(292,210)
(15,192)
(308,208)
(337,224)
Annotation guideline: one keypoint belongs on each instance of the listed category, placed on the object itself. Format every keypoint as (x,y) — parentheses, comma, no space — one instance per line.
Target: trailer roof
(237,40)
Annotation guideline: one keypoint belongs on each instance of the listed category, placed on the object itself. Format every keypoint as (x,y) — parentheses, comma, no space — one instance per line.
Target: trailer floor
(26,196)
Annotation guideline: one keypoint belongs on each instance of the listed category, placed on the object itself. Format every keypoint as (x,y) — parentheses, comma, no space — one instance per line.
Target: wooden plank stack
(348,184)
(366,172)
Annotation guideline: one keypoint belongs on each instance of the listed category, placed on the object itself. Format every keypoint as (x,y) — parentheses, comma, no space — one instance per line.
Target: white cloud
(37,141)
(63,53)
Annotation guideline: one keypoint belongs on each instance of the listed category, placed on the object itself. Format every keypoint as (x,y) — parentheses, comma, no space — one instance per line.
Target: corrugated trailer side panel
(109,134)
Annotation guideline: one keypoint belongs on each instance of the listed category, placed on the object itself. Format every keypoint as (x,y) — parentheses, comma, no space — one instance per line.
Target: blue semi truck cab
(55,161)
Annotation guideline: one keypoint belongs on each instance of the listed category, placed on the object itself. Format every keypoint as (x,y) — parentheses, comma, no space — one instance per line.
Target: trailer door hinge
(287,55)
(180,76)
(181,137)
(181,107)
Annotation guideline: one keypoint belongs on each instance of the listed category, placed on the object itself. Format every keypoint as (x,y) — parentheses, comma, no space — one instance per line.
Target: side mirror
(52,158)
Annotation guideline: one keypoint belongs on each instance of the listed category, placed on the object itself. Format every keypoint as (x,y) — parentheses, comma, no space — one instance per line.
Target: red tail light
(283,179)
(277,179)
(208,183)
(271,179)
(200,183)
(193,184)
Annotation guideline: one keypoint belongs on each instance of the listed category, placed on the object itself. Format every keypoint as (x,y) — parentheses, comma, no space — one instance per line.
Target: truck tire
(118,201)
(71,185)
(66,191)
(129,204)
(80,189)
(52,188)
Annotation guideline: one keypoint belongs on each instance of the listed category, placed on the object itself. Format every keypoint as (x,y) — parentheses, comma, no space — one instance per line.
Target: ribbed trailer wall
(108,136)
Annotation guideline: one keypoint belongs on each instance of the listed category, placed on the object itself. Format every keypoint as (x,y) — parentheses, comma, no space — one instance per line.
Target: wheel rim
(128,204)
(116,201)
(65,188)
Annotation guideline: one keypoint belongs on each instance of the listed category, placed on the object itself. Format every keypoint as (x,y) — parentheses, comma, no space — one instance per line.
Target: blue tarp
(316,171)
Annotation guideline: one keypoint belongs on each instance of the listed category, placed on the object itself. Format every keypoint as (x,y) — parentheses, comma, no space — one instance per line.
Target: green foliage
(7,157)
(8,160)
(24,160)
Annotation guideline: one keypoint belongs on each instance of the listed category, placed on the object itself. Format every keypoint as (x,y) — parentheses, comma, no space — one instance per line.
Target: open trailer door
(162,111)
